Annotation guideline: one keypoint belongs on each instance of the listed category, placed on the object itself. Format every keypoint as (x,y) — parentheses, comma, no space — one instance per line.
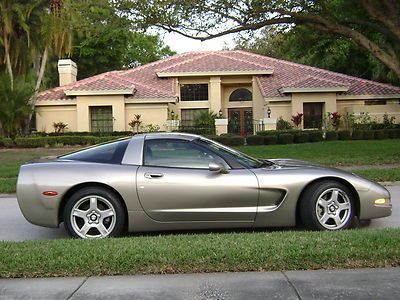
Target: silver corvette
(168,181)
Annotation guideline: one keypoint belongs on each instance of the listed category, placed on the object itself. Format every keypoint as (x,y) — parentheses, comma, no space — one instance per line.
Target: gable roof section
(208,63)
(275,77)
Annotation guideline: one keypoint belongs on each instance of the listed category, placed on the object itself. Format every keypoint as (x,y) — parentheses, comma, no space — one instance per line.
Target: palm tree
(14,104)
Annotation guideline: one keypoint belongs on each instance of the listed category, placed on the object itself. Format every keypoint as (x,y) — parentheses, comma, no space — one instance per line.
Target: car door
(175,184)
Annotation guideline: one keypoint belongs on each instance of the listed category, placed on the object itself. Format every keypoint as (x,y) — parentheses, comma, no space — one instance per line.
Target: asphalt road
(14,227)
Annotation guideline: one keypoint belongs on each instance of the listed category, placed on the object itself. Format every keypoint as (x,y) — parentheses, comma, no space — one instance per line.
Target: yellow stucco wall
(281,109)
(47,115)
(298,99)
(155,114)
(83,104)
(392,108)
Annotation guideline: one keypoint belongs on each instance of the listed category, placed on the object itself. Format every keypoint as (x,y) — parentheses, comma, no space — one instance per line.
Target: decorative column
(215,94)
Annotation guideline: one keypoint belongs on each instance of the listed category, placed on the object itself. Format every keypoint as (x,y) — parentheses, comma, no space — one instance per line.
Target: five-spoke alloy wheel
(327,205)
(94,213)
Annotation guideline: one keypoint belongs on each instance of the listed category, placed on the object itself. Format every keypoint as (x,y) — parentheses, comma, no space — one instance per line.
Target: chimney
(67,71)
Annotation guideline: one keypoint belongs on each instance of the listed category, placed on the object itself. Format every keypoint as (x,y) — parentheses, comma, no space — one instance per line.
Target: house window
(187,116)
(240,95)
(194,92)
(101,119)
(375,102)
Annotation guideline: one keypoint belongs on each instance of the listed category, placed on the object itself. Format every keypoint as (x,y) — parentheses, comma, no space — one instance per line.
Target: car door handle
(153,175)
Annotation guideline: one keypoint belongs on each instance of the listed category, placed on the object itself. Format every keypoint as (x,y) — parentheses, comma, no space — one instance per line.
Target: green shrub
(301,137)
(369,134)
(278,132)
(331,135)
(357,135)
(87,133)
(344,135)
(379,134)
(282,124)
(286,138)
(315,136)
(230,140)
(1,142)
(255,140)
(270,140)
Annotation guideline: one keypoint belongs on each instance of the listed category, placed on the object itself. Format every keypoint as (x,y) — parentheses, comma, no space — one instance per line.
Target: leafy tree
(372,25)
(306,46)
(15,104)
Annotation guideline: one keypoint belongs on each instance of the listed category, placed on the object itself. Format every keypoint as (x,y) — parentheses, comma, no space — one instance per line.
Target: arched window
(240,95)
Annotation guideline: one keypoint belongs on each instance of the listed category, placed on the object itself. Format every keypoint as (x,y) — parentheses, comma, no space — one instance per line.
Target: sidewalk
(322,284)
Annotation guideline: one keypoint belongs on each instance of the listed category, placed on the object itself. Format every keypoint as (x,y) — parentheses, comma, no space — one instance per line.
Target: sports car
(177,181)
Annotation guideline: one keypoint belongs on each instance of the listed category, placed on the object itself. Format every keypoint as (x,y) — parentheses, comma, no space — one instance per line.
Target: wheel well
(77,187)
(340,180)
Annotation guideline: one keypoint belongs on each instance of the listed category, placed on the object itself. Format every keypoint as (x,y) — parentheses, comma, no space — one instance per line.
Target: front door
(174,184)
(313,115)
(240,121)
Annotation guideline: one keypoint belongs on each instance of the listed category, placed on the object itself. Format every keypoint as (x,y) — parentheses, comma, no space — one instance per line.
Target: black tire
(94,212)
(327,214)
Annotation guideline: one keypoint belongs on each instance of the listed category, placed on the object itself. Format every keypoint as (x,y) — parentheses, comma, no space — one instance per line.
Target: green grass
(11,159)
(7,185)
(211,252)
(392,174)
(334,153)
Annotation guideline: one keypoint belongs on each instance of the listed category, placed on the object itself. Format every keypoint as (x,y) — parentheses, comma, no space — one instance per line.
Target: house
(242,87)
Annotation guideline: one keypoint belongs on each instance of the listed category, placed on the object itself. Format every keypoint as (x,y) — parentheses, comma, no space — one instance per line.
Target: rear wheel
(327,205)
(94,213)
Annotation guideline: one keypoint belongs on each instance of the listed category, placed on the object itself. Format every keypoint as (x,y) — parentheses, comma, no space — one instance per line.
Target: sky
(182,44)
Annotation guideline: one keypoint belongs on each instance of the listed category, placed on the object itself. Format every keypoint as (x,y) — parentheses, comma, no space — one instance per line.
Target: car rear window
(110,153)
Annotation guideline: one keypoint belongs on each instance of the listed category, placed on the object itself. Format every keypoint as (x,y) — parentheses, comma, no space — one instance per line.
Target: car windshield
(243,159)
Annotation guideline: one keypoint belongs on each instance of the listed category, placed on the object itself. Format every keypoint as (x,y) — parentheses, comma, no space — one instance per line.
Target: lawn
(334,153)
(337,153)
(11,159)
(202,252)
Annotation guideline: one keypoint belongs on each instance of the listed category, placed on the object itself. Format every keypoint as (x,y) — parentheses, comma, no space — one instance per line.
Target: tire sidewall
(95,191)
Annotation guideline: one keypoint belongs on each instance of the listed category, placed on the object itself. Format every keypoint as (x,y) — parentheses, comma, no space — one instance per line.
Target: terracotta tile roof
(315,82)
(145,83)
(214,61)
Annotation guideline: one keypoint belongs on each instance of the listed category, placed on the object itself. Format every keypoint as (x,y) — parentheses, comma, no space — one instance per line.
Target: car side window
(178,154)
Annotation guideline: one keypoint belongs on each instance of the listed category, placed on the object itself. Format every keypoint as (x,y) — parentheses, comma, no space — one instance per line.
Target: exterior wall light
(220,113)
(269,112)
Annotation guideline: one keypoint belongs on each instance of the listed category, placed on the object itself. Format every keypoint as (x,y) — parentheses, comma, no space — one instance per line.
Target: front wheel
(94,213)
(327,205)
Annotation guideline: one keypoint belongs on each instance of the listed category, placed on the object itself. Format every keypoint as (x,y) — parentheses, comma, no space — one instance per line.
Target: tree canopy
(303,45)
(372,25)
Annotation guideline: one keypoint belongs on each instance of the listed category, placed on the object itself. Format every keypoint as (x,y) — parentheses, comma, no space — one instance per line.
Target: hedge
(316,136)
(35,142)
(286,138)
(344,135)
(301,137)
(230,140)
(270,140)
(357,135)
(255,140)
(369,134)
(331,136)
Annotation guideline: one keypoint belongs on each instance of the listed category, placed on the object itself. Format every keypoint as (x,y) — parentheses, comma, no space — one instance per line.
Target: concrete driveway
(14,227)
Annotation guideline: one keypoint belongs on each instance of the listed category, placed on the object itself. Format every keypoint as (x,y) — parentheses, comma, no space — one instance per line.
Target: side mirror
(215,167)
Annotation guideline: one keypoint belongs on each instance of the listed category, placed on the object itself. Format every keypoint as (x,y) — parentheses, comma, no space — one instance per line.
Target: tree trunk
(8,60)
(41,70)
